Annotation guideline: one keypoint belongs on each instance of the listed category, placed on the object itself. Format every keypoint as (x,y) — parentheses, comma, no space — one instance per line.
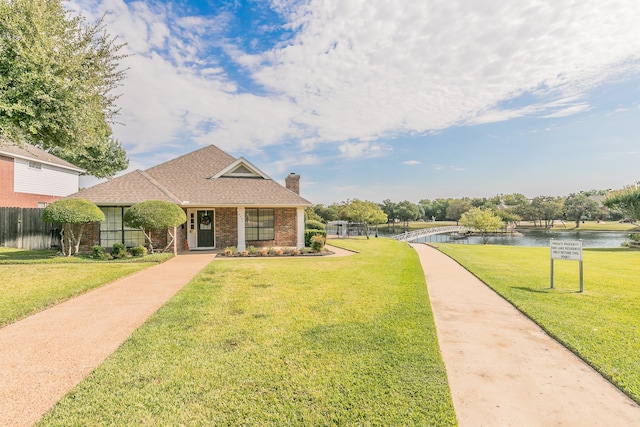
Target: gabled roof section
(205,177)
(29,152)
(126,190)
(202,163)
(241,168)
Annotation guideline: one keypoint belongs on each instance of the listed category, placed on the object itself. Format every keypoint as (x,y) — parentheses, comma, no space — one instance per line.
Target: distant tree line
(542,211)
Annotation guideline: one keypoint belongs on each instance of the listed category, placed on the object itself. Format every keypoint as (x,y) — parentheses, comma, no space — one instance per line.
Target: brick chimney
(292,182)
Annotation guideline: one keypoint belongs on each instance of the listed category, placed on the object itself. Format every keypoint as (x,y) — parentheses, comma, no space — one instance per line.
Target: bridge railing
(417,234)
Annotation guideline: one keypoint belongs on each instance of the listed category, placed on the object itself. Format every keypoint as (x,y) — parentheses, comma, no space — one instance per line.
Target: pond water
(590,239)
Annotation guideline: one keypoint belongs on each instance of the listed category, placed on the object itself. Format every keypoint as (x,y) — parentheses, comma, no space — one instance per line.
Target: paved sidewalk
(503,369)
(44,356)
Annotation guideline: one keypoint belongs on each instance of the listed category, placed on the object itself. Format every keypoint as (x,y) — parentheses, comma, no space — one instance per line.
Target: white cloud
(574,109)
(445,167)
(363,70)
(371,67)
(412,162)
(362,150)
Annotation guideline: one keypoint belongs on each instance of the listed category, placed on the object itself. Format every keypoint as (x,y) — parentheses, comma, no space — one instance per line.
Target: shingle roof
(187,181)
(126,190)
(30,152)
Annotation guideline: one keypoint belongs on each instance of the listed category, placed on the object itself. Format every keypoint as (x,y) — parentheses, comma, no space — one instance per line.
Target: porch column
(300,212)
(242,245)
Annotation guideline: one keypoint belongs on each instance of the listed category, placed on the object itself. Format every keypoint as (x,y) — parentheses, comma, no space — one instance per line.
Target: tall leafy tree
(457,207)
(426,209)
(439,207)
(578,205)
(626,200)
(389,208)
(57,81)
(546,209)
(407,211)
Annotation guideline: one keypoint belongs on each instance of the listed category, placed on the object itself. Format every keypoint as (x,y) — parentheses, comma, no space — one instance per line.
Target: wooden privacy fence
(22,228)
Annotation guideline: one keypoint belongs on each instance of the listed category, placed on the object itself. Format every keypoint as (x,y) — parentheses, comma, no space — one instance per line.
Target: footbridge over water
(424,232)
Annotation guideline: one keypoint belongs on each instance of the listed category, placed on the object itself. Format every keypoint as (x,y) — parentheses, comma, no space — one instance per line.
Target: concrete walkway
(44,356)
(503,369)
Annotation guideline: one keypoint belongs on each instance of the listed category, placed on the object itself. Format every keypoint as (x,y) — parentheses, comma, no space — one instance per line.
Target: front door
(205,221)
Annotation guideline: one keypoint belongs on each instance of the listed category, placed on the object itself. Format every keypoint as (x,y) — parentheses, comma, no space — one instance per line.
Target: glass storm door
(205,229)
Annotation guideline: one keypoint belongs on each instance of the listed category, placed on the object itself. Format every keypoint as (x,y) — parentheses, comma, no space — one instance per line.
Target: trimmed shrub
(252,250)
(308,235)
(313,225)
(118,250)
(317,243)
(98,251)
(138,251)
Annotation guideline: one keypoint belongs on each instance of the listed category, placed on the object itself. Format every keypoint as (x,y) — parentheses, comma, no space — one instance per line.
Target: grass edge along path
(30,286)
(298,341)
(600,325)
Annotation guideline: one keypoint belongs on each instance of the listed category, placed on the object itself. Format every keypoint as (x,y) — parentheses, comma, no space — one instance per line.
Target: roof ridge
(191,153)
(159,186)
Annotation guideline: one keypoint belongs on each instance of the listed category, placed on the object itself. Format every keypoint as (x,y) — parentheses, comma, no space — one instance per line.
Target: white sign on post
(566,249)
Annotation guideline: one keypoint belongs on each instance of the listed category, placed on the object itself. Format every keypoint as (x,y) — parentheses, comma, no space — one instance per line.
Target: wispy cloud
(363,150)
(412,162)
(360,71)
(447,167)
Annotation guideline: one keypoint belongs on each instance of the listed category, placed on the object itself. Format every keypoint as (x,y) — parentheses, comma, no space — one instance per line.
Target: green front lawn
(34,280)
(601,325)
(280,342)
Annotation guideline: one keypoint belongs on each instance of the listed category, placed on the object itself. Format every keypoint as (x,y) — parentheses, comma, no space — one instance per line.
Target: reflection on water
(590,239)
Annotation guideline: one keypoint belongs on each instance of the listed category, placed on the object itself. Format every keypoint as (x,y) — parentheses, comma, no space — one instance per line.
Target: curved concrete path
(44,356)
(503,369)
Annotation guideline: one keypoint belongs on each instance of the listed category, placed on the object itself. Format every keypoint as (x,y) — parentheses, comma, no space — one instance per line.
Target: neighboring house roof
(204,177)
(30,152)
(597,198)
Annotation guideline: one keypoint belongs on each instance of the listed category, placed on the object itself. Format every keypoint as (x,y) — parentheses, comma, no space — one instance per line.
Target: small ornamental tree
(155,215)
(483,221)
(73,214)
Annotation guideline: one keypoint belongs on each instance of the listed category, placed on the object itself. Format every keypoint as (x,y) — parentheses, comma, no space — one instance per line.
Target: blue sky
(380,99)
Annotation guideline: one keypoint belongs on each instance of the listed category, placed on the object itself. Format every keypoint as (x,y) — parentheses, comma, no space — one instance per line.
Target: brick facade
(8,198)
(91,236)
(285,226)
(226,229)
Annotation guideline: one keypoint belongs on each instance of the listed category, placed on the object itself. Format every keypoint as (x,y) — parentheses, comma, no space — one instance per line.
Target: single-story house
(32,178)
(228,202)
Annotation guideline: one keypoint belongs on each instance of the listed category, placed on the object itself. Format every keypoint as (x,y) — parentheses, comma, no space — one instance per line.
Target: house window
(259,224)
(35,165)
(113,230)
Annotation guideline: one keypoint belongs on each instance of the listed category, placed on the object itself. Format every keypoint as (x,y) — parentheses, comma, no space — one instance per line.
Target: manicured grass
(23,256)
(34,280)
(281,342)
(602,325)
